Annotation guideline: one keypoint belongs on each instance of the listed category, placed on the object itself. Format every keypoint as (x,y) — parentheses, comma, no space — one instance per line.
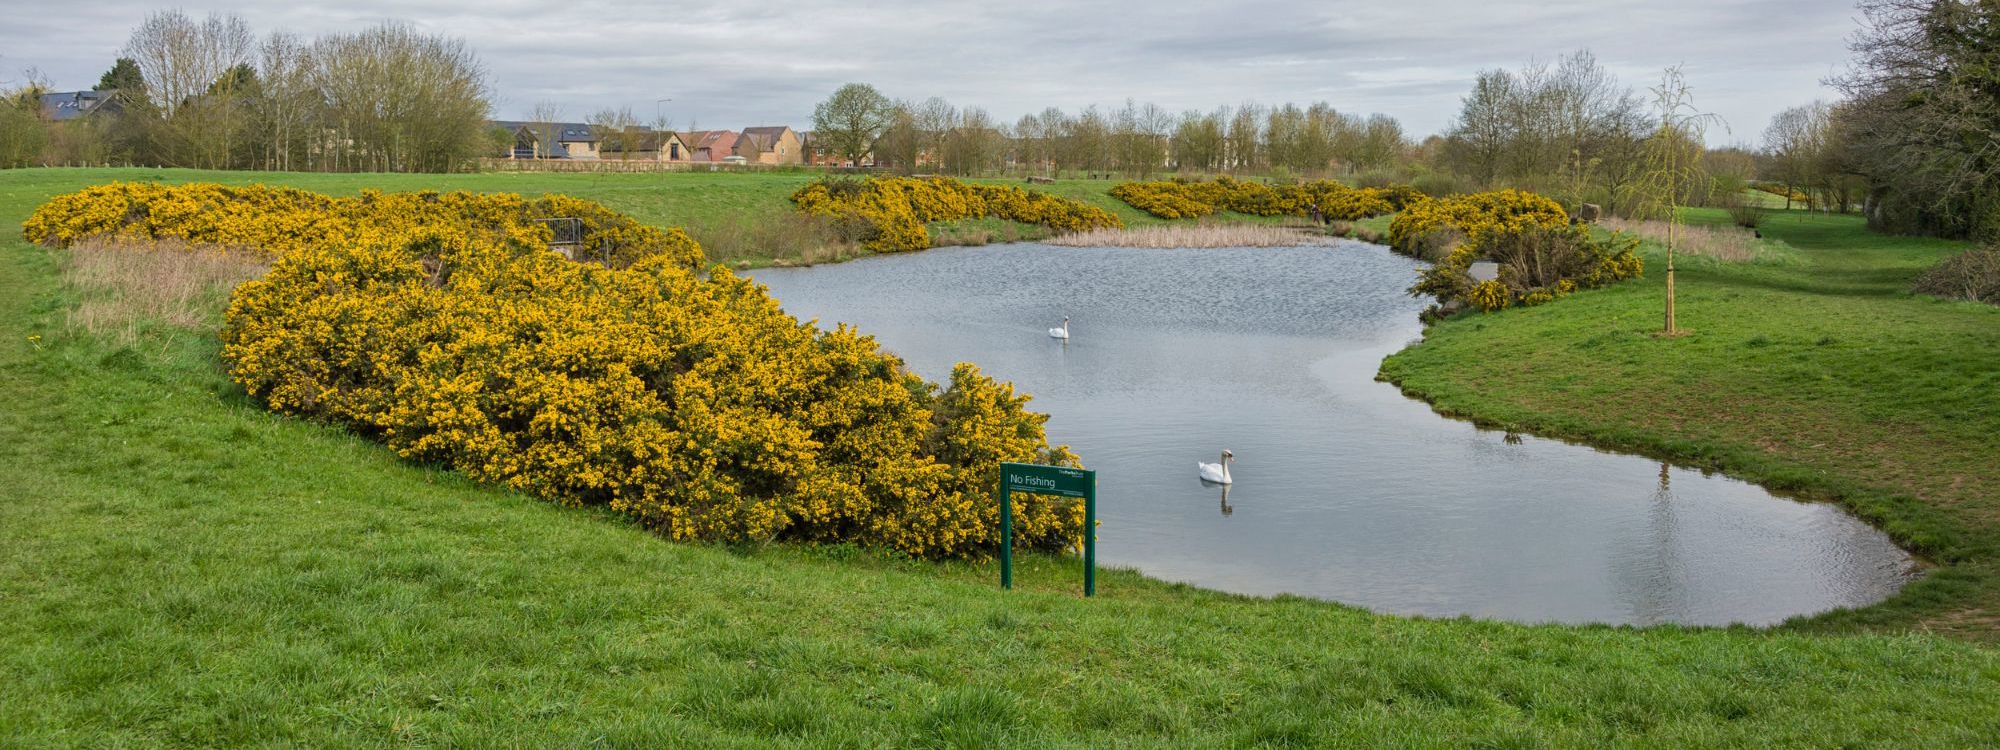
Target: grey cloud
(732,65)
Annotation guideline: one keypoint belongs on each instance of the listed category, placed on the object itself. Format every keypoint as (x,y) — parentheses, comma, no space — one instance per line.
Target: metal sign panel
(1060,481)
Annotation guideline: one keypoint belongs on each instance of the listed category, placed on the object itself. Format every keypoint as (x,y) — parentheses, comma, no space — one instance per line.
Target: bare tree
(545,126)
(188,67)
(1674,164)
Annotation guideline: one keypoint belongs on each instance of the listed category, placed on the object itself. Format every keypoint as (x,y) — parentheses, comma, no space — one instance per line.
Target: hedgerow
(894,210)
(1184,199)
(684,398)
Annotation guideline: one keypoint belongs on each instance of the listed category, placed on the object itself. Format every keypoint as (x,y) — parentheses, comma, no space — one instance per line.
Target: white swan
(1060,333)
(1217,472)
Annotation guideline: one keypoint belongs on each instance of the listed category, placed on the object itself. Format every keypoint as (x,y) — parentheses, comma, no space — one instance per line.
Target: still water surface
(1345,490)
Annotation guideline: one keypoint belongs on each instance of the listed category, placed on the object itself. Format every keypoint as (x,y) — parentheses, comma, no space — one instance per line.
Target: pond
(1344,489)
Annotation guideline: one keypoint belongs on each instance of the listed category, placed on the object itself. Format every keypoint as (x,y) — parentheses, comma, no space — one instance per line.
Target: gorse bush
(685,399)
(277,221)
(888,214)
(1537,264)
(1185,199)
(1475,216)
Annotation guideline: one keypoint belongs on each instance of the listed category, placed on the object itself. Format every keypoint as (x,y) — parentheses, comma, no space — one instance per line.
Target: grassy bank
(180,568)
(1820,375)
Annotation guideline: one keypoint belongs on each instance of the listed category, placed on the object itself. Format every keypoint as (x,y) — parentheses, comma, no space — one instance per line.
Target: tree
(616,130)
(545,124)
(401,101)
(22,132)
(1794,141)
(123,77)
(1673,165)
(186,67)
(1244,139)
(1197,141)
(1923,114)
(850,120)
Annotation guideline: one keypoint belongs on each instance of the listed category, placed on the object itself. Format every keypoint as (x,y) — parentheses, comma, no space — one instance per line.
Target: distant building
(712,146)
(646,144)
(772,145)
(63,106)
(551,140)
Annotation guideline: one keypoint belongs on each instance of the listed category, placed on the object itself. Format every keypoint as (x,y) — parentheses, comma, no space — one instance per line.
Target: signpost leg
(1006,538)
(1090,539)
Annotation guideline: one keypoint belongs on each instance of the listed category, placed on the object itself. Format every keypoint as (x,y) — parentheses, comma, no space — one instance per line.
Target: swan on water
(1060,333)
(1217,472)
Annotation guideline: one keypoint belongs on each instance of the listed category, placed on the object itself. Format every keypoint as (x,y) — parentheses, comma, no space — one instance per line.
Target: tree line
(858,124)
(208,93)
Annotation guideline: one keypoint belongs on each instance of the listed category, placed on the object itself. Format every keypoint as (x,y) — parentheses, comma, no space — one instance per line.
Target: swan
(1060,333)
(1217,472)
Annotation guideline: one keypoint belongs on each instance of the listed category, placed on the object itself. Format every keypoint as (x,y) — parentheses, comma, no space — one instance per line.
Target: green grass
(181,568)
(1822,376)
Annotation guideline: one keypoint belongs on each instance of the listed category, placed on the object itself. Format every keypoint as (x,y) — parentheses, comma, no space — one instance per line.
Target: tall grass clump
(1724,243)
(132,284)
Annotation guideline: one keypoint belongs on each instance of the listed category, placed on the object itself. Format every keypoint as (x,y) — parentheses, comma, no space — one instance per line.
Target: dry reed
(1721,243)
(1198,235)
(128,285)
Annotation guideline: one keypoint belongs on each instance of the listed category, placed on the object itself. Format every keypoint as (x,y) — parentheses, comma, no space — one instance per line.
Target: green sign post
(1048,480)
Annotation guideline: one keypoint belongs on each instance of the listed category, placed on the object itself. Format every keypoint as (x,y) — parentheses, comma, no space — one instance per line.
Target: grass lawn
(1822,376)
(181,568)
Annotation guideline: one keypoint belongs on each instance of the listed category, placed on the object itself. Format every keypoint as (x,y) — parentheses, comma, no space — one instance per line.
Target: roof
(570,132)
(765,136)
(718,143)
(70,105)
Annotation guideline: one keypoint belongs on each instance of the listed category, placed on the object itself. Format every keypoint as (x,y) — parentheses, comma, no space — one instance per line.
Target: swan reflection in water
(1226,509)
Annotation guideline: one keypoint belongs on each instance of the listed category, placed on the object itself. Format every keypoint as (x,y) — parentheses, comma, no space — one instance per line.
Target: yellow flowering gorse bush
(1536,265)
(1183,199)
(1474,215)
(895,209)
(276,221)
(443,326)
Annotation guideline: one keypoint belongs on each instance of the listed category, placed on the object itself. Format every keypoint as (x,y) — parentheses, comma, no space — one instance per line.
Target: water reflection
(1361,495)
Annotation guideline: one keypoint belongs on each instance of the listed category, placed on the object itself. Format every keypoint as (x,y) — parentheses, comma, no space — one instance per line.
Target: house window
(674,151)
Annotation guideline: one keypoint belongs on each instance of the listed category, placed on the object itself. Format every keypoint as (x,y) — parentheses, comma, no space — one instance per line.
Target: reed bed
(1731,244)
(1196,235)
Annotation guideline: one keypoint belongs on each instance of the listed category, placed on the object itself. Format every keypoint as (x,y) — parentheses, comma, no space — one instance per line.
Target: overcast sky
(730,65)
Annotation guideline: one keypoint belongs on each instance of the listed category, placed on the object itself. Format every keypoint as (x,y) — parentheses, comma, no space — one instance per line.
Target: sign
(1060,481)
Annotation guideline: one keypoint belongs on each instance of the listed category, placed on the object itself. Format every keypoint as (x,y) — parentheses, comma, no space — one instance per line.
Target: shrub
(1745,212)
(275,221)
(888,214)
(684,398)
(1971,275)
(1475,215)
(1537,264)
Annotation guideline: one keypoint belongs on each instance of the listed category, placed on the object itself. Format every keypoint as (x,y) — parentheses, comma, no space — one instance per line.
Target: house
(64,106)
(646,144)
(551,140)
(772,145)
(712,145)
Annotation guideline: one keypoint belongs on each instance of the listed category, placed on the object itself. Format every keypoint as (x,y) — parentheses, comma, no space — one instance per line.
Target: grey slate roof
(69,105)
